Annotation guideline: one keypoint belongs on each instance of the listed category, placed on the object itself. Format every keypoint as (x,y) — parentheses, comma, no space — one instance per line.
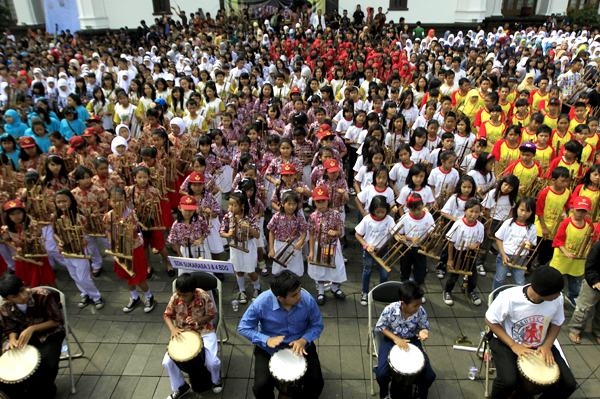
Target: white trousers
(54,256)
(211,361)
(7,253)
(94,250)
(79,270)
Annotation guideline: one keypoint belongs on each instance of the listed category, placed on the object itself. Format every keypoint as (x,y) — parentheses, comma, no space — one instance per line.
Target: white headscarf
(122,82)
(63,83)
(180,124)
(117,141)
(118,129)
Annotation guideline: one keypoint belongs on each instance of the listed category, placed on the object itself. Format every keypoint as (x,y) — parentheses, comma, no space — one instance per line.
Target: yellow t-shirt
(574,123)
(544,156)
(527,136)
(550,121)
(491,132)
(572,238)
(550,205)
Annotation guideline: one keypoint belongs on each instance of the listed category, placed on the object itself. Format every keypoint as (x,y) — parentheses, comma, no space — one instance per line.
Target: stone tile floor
(123,352)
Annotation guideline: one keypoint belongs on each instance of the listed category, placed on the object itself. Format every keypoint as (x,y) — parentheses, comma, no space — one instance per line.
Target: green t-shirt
(418,33)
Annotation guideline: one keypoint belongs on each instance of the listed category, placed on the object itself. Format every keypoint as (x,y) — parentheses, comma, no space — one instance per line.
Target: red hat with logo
(74,143)
(288,169)
(582,202)
(188,203)
(13,204)
(332,166)
(196,177)
(27,142)
(94,118)
(320,193)
(89,132)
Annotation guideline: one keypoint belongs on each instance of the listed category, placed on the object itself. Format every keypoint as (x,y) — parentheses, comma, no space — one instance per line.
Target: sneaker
(447,298)
(480,270)
(181,391)
(99,304)
(509,274)
(571,301)
(339,294)
(242,298)
(364,299)
(321,300)
(263,269)
(148,304)
(255,294)
(218,387)
(352,191)
(475,298)
(131,304)
(439,273)
(85,300)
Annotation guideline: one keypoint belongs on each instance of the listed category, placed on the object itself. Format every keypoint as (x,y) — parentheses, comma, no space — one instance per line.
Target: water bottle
(234,305)
(472,373)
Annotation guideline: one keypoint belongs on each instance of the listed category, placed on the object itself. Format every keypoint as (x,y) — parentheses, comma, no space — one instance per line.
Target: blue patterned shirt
(392,320)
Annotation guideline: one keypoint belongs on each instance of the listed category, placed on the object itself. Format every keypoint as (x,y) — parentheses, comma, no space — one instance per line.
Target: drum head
(18,364)
(185,347)
(285,366)
(406,362)
(537,371)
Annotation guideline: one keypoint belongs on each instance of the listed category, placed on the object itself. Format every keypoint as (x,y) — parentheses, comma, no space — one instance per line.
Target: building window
(579,4)
(161,7)
(398,4)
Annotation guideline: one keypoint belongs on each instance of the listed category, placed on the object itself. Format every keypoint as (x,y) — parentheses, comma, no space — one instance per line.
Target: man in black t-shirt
(358,16)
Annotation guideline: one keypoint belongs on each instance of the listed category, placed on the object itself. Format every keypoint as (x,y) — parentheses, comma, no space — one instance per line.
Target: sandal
(575,338)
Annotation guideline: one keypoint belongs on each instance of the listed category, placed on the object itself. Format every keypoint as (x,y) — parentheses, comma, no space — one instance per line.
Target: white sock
(241,283)
(134,294)
(321,288)
(256,284)
(148,294)
(334,287)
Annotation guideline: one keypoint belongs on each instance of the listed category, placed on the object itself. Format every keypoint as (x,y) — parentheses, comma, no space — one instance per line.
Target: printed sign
(201,265)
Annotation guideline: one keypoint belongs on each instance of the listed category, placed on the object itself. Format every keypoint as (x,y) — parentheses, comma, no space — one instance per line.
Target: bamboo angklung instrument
(586,244)
(283,256)
(72,237)
(121,236)
(39,206)
(387,255)
(435,243)
(95,224)
(149,214)
(241,235)
(325,253)
(464,258)
(33,248)
(521,249)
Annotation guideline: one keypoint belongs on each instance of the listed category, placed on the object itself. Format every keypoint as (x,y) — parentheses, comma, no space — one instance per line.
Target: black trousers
(312,383)
(453,277)
(544,254)
(40,384)
(350,161)
(507,374)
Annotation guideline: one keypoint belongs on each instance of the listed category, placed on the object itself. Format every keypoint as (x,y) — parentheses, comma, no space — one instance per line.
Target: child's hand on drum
(547,355)
(175,332)
(522,350)
(298,347)
(402,343)
(24,337)
(273,342)
(423,335)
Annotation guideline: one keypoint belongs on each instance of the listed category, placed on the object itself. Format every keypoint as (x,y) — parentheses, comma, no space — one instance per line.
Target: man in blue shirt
(286,317)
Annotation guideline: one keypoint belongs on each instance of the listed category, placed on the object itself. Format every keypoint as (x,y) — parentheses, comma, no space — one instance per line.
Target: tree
(585,16)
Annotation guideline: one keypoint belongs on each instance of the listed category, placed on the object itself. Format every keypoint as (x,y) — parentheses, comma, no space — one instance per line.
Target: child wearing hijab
(13,125)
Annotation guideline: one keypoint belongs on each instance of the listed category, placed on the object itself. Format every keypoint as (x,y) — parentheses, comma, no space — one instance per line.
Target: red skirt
(156,240)
(140,268)
(3,266)
(34,275)
(167,215)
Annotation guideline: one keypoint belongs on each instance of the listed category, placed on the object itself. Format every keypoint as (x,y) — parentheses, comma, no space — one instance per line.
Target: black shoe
(181,391)
(151,274)
(97,273)
(131,304)
(148,304)
(171,273)
(85,301)
(218,387)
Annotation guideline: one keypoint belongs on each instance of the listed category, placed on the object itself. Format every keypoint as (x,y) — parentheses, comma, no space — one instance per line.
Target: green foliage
(586,16)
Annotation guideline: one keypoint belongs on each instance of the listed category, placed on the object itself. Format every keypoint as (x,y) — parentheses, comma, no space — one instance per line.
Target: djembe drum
(187,352)
(287,370)
(406,366)
(535,375)
(17,366)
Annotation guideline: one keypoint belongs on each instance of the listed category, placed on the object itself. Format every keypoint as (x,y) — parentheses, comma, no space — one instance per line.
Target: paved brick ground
(123,352)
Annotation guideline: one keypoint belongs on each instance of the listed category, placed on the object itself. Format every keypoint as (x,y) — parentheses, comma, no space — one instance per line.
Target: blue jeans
(501,271)
(368,262)
(383,375)
(574,285)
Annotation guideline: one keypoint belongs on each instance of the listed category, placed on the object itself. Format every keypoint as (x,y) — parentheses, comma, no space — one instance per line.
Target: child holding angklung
(189,234)
(325,226)
(112,219)
(288,226)
(243,230)
(334,181)
(209,209)
(257,211)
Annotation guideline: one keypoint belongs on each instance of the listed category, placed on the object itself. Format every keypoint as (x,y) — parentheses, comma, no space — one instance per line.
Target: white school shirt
(364,177)
(410,115)
(420,122)
(486,181)
(411,227)
(399,139)
(468,163)
(462,234)
(366,196)
(524,321)
(373,230)
(455,206)
(463,144)
(500,210)
(437,178)
(343,125)
(512,234)
(352,134)
(419,155)
(358,164)
(432,144)
(398,174)
(425,193)
(281,93)
(433,157)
